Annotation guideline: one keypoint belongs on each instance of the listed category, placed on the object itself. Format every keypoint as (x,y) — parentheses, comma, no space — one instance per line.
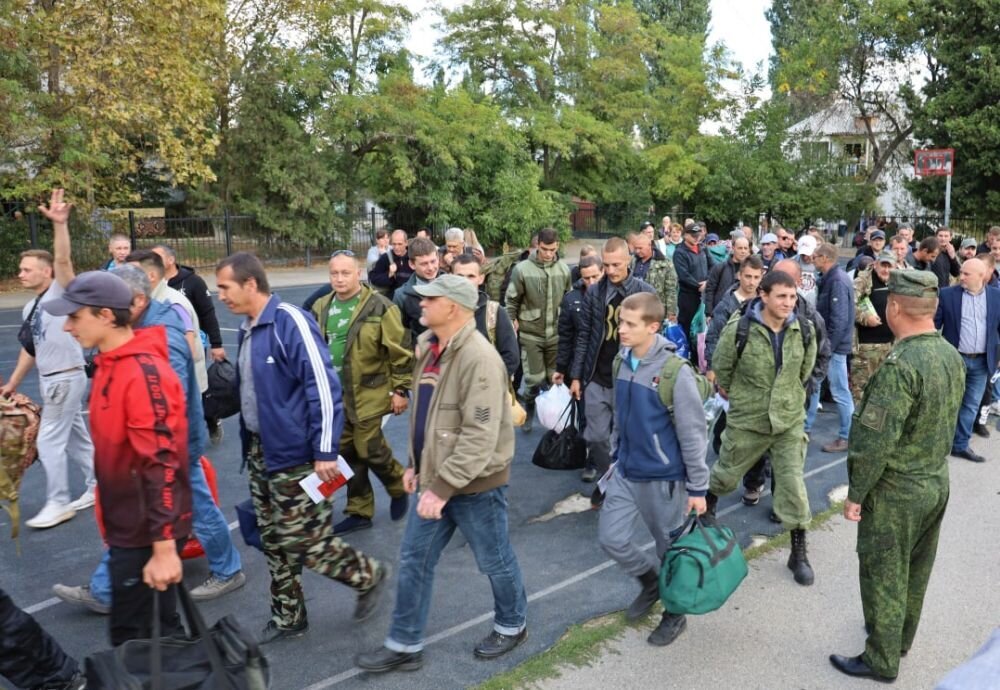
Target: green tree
(960,108)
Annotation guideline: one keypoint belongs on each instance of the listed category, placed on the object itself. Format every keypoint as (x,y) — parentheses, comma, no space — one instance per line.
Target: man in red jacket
(139,426)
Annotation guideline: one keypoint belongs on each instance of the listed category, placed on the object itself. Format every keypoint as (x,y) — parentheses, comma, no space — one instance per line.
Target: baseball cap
(711,237)
(864,261)
(692,229)
(887,258)
(645,224)
(877,235)
(969,242)
(91,289)
(769,238)
(807,245)
(913,283)
(459,290)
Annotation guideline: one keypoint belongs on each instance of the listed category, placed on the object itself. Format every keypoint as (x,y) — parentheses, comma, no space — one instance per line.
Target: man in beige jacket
(461,447)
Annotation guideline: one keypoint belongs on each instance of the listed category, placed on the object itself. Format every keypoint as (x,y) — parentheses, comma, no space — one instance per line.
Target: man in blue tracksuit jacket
(660,473)
(291,418)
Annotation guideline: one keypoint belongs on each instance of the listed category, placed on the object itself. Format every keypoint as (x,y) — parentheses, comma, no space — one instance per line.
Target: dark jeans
(132,599)
(482,519)
(687,307)
(29,657)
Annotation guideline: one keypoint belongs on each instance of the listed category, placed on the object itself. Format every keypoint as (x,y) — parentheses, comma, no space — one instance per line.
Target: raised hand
(58,210)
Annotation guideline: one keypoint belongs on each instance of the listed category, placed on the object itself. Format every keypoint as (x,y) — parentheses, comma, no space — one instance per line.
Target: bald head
(789,267)
(973,275)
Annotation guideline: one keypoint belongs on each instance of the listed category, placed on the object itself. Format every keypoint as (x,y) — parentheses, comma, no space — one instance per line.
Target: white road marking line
(568,582)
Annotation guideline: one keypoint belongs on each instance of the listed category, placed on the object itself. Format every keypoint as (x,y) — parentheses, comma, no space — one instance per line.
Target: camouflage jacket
(764,396)
(663,278)
(903,428)
(534,295)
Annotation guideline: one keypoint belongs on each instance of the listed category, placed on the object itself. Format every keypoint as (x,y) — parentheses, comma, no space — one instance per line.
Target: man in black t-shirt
(874,339)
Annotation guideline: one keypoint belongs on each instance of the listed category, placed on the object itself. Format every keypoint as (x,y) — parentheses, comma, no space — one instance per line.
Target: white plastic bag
(550,406)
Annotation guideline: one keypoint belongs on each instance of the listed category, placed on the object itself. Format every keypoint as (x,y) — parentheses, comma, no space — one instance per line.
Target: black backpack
(221,400)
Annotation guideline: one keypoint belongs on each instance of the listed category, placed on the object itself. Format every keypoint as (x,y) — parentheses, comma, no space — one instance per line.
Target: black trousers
(687,307)
(132,599)
(29,656)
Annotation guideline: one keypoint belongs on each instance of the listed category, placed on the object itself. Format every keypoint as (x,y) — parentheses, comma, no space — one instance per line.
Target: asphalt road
(568,577)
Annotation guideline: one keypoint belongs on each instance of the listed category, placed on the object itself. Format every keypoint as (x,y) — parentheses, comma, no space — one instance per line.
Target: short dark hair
(464,258)
(245,266)
(146,258)
(122,317)
(380,233)
(42,255)
(929,244)
(547,236)
(591,260)
(753,262)
(776,278)
(647,304)
(421,246)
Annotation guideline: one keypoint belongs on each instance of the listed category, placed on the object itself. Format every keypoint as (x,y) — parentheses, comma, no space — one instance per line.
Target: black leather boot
(648,596)
(529,408)
(798,561)
(711,501)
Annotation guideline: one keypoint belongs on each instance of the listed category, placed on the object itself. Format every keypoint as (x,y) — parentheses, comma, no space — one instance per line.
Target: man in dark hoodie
(491,318)
(596,347)
(691,263)
(425,262)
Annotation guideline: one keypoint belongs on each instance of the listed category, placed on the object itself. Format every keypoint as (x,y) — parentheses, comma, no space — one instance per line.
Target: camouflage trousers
(897,543)
(741,449)
(363,446)
(538,356)
(864,362)
(296,532)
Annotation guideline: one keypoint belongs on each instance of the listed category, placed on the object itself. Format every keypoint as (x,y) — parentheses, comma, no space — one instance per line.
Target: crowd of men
(906,356)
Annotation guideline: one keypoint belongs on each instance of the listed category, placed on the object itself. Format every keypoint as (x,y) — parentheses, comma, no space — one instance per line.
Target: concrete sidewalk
(776,635)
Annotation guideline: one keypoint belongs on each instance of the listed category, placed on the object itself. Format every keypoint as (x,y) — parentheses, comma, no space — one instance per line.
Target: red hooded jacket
(139,427)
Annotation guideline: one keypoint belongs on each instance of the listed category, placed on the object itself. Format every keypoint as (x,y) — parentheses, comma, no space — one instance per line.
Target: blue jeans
(841,392)
(209,525)
(977,377)
(812,407)
(482,519)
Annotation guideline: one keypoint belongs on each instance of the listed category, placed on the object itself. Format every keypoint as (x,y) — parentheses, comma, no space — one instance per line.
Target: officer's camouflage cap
(913,283)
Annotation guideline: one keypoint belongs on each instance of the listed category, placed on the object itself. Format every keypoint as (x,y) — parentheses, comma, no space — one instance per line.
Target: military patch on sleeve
(873,416)
(482,415)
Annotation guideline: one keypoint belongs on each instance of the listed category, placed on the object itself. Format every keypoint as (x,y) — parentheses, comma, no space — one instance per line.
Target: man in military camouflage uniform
(872,337)
(291,419)
(657,270)
(767,405)
(371,353)
(898,473)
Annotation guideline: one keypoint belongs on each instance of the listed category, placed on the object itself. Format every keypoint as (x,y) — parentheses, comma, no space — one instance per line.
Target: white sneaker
(51,515)
(85,501)
(995,408)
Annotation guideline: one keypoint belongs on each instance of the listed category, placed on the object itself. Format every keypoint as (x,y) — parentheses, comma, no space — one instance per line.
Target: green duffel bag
(702,568)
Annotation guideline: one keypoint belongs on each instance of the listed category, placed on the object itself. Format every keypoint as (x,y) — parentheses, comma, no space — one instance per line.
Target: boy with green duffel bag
(660,474)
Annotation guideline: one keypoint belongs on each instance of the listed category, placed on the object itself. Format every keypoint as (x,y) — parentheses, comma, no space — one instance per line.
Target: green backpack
(668,375)
(702,568)
(497,271)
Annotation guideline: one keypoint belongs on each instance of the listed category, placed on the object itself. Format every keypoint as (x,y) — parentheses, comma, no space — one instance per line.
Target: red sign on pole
(929,162)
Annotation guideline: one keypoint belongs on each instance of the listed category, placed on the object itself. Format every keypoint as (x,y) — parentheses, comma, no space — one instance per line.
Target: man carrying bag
(659,473)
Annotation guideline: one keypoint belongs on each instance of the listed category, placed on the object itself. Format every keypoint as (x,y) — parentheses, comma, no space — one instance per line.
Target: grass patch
(582,644)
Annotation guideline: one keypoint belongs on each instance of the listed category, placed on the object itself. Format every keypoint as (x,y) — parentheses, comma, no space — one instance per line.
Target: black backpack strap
(742,331)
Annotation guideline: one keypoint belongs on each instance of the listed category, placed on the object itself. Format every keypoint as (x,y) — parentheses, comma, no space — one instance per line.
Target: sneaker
(995,407)
(751,496)
(667,631)
(216,433)
(86,500)
(497,644)
(214,587)
(77,682)
(589,475)
(81,596)
(272,632)
(838,446)
(352,523)
(51,515)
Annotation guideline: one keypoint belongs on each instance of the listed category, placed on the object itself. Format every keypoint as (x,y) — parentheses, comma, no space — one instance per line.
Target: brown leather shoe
(838,446)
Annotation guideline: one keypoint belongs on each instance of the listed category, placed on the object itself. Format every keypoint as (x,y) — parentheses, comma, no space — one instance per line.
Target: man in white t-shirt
(63,434)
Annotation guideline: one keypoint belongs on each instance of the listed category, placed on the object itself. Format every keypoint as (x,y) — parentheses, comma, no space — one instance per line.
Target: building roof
(839,119)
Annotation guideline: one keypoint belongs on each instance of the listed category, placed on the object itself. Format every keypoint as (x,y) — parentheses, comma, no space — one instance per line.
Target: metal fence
(611,222)
(200,242)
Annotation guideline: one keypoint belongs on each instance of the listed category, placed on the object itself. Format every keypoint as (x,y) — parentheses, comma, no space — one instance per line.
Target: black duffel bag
(566,449)
(221,400)
(224,657)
